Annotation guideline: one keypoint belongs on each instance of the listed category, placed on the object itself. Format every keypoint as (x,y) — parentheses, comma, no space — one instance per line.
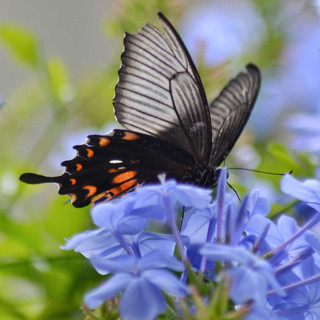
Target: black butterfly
(170,128)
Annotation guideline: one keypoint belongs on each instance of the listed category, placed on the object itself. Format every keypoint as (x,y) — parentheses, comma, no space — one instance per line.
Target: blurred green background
(59,63)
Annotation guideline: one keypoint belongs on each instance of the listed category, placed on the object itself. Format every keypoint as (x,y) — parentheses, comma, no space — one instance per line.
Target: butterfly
(169,126)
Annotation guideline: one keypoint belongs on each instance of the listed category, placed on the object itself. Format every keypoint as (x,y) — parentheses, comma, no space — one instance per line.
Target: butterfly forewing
(230,112)
(160,93)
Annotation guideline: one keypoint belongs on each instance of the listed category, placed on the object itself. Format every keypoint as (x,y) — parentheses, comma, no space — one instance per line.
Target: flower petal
(141,301)
(106,290)
(118,264)
(307,191)
(166,281)
(93,242)
(159,259)
(247,285)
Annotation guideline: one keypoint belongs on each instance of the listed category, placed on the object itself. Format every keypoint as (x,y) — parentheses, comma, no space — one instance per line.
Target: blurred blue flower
(301,63)
(224,30)
(290,83)
(317,5)
(306,129)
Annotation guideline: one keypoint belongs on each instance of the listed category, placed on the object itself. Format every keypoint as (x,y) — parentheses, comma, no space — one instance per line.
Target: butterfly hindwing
(108,166)
(230,111)
(160,93)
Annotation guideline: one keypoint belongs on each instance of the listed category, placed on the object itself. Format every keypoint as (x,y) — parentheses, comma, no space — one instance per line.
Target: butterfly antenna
(234,190)
(260,171)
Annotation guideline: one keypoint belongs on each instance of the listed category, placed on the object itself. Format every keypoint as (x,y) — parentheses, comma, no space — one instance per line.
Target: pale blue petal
(262,313)
(314,242)
(118,216)
(106,290)
(132,225)
(118,264)
(196,223)
(247,285)
(308,191)
(256,225)
(222,252)
(141,301)
(91,243)
(262,206)
(79,238)
(158,259)
(156,212)
(103,216)
(166,281)
(192,196)
(150,241)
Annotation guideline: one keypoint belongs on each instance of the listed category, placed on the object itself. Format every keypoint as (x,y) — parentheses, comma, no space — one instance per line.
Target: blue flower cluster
(273,269)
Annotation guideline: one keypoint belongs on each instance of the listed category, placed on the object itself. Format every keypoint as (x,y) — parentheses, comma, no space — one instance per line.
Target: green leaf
(21,44)
(219,304)
(59,79)
(283,156)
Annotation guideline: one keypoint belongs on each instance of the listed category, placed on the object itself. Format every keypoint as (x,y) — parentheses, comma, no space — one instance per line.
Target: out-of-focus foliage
(21,44)
(37,279)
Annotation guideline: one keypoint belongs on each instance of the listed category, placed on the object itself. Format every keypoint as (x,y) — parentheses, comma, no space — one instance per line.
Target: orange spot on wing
(115,191)
(102,195)
(92,190)
(90,153)
(103,142)
(123,187)
(129,184)
(73,181)
(78,166)
(112,170)
(130,136)
(121,177)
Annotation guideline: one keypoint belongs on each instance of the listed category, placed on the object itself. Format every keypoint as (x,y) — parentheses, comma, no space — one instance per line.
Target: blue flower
(250,275)
(114,226)
(303,295)
(273,268)
(263,259)
(223,30)
(141,280)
